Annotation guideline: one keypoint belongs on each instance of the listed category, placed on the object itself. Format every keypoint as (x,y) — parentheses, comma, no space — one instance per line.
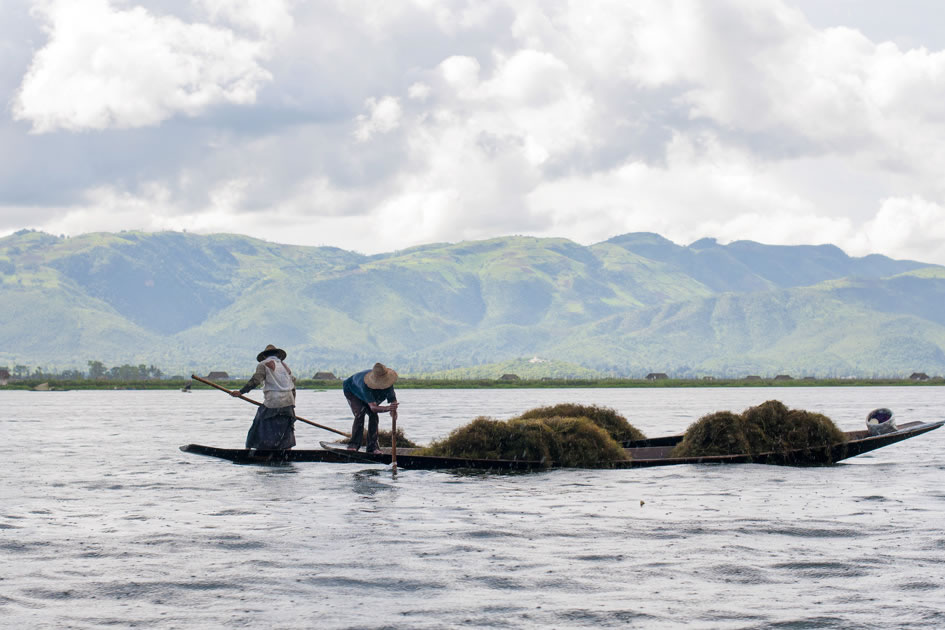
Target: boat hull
(641,454)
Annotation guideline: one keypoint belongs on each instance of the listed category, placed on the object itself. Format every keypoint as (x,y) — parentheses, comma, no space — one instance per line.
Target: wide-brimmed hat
(269,351)
(380,377)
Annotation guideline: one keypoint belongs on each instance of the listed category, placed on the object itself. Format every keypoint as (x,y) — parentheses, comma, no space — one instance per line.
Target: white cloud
(424,120)
(384,117)
(909,227)
(107,67)
(419,91)
(701,187)
(272,18)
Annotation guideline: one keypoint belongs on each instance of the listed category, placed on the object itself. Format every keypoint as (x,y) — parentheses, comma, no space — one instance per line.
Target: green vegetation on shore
(421,383)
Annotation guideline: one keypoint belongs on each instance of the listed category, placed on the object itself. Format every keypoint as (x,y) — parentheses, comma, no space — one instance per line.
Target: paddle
(259,404)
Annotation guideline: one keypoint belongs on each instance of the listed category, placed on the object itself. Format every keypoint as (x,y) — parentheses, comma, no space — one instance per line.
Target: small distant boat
(640,454)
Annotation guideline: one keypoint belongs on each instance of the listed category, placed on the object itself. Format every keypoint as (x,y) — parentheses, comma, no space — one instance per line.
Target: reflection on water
(103,522)
(369,483)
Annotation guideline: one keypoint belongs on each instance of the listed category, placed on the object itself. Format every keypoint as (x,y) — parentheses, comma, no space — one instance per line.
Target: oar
(259,404)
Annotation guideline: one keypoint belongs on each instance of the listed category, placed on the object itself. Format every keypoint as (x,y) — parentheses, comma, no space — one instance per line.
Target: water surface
(105,523)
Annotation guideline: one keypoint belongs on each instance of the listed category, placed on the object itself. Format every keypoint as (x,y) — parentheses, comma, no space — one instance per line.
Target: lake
(105,523)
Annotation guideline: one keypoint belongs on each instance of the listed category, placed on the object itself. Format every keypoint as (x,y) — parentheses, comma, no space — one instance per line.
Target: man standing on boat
(363,392)
(274,425)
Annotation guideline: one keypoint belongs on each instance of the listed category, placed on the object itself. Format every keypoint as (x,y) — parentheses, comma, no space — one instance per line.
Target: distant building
(218,376)
(325,376)
(4,376)
(656,376)
(708,378)
(784,377)
(919,376)
(509,377)
(809,378)
(752,377)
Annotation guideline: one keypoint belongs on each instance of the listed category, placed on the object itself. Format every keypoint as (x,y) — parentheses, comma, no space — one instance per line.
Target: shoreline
(420,383)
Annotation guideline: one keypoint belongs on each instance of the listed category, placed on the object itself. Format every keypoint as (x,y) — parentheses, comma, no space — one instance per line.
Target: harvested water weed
(766,428)
(604,417)
(564,435)
(383,439)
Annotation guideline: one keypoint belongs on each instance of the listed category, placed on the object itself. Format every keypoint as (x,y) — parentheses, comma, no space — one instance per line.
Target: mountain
(626,306)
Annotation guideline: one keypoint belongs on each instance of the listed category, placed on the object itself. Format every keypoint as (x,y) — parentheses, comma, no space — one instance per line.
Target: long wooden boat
(640,454)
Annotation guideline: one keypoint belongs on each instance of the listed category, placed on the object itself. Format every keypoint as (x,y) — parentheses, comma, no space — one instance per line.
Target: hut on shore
(218,376)
(325,376)
(656,376)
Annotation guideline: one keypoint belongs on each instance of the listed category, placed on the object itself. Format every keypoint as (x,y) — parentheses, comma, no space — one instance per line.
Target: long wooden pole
(393,444)
(259,404)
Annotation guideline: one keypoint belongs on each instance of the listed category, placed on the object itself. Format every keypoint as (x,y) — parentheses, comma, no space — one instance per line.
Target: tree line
(97,371)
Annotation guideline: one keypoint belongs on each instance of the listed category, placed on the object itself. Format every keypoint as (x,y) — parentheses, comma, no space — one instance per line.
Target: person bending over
(364,391)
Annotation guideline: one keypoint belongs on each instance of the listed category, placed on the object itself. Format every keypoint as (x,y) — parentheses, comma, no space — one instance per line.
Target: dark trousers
(359,408)
(272,429)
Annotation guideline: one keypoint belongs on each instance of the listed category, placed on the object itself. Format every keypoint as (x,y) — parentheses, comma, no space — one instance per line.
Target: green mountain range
(633,304)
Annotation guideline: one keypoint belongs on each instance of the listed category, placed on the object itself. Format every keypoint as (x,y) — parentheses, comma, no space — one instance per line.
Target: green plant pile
(383,439)
(565,435)
(607,419)
(768,427)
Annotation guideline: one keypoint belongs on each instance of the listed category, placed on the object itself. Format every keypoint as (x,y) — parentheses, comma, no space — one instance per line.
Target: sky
(375,126)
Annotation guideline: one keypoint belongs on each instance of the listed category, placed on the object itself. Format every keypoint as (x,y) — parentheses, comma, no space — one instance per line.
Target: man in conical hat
(273,427)
(364,392)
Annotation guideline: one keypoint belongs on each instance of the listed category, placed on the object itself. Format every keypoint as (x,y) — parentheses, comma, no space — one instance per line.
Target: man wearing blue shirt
(364,391)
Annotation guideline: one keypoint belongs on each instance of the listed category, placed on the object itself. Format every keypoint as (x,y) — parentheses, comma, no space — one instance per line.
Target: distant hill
(633,304)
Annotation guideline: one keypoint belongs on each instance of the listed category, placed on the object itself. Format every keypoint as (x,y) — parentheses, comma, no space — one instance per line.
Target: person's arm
(258,377)
(391,406)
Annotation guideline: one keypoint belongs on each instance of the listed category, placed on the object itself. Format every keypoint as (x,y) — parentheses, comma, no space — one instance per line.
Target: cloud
(270,19)
(105,67)
(376,126)
(909,227)
(384,117)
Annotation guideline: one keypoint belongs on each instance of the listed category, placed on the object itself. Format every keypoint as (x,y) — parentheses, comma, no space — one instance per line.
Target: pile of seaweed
(562,435)
(383,439)
(768,427)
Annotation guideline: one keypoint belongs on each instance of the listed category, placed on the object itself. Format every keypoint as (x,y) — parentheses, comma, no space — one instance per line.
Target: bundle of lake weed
(607,419)
(768,427)
(383,439)
(571,442)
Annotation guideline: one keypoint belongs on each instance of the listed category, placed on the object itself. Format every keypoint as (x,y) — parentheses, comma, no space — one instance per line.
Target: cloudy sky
(376,125)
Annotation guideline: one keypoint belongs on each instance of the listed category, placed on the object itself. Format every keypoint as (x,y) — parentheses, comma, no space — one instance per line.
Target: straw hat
(380,377)
(269,351)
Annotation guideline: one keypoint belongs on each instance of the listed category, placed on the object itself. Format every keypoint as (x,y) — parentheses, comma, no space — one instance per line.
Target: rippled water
(104,522)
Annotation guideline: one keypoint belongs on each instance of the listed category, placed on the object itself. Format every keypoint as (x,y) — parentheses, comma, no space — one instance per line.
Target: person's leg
(252,436)
(372,431)
(357,427)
